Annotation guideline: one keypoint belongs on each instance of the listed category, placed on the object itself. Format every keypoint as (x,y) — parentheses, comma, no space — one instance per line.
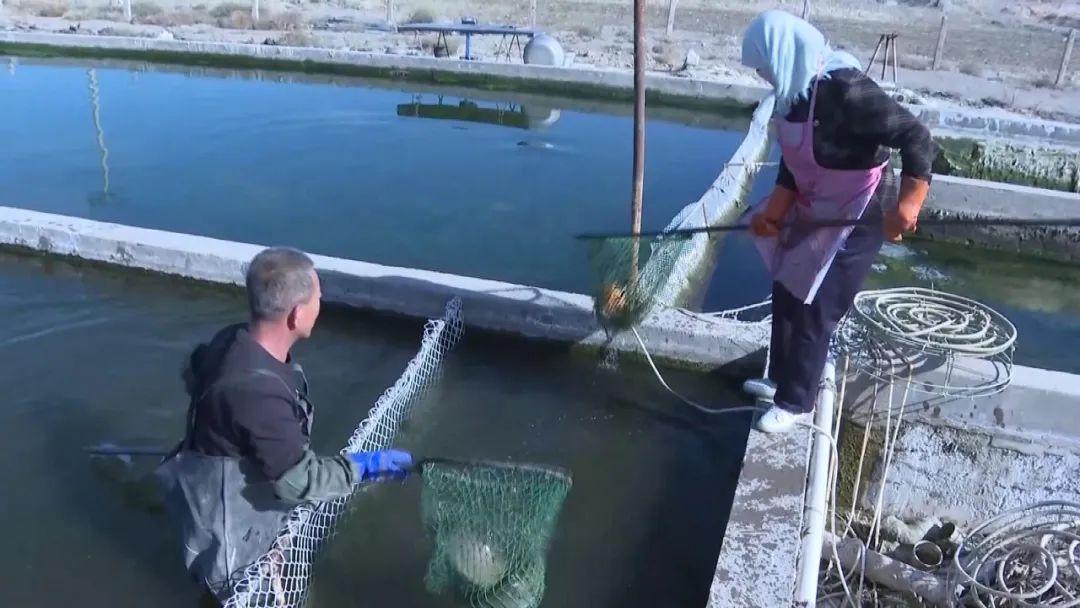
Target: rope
(834,460)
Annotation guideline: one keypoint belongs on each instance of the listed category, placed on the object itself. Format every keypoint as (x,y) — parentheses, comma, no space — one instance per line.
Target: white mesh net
(281,577)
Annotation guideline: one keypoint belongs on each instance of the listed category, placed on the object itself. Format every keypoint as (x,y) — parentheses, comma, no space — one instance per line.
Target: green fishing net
(630,274)
(491,524)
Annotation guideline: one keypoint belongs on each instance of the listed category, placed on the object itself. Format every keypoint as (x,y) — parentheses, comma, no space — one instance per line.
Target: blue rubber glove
(377,466)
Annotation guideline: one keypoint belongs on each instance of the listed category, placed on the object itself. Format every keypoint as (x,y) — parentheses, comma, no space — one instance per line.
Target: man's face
(307,313)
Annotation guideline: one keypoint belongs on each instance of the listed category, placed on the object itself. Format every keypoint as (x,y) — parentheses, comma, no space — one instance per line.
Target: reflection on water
(344,166)
(92,357)
(501,113)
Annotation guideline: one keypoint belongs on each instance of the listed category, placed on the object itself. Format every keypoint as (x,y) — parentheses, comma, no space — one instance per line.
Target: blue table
(469,30)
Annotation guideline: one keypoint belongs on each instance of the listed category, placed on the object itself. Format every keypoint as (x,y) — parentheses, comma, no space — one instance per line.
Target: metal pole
(806,10)
(638,179)
(639,115)
(390,12)
(895,63)
(671,16)
(532,13)
(1065,59)
(255,11)
(939,50)
(127,11)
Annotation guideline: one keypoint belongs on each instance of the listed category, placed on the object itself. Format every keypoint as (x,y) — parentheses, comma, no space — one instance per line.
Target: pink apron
(801,256)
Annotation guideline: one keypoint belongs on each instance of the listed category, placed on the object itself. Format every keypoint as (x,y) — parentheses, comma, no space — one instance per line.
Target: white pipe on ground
(815,508)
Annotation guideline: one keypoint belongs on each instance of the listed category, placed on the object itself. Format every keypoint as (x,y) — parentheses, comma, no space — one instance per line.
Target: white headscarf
(790,52)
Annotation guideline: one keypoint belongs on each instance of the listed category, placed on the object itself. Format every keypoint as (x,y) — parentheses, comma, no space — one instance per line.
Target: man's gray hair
(278,279)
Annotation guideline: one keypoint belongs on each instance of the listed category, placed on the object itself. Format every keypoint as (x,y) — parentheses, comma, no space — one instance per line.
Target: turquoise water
(381,172)
(93,356)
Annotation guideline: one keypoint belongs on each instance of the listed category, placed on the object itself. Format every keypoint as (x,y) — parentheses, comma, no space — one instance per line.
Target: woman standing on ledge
(835,127)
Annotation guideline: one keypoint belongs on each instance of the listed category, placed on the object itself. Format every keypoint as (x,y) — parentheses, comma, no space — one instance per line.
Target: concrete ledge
(1040,409)
(996,123)
(566,81)
(672,335)
(758,561)
(959,197)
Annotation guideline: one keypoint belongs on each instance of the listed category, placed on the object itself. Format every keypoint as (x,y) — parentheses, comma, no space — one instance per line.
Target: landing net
(491,524)
(630,274)
(281,578)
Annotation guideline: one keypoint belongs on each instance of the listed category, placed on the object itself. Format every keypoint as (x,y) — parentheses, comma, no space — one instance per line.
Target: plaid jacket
(857,125)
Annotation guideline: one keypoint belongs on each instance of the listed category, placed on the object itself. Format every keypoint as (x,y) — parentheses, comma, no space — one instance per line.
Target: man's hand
(913,193)
(377,466)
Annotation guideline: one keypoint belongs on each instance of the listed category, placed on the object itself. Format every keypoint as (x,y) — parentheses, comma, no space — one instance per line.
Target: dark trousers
(801,332)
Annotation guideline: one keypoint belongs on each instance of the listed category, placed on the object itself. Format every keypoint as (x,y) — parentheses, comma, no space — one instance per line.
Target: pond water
(468,182)
(1040,297)
(93,355)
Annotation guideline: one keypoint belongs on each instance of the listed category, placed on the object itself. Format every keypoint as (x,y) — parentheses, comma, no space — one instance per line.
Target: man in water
(245,459)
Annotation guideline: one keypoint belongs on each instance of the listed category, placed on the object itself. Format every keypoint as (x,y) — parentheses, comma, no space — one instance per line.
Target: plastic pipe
(817,493)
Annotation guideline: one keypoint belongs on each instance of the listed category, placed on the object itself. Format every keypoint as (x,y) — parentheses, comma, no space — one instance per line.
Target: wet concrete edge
(673,335)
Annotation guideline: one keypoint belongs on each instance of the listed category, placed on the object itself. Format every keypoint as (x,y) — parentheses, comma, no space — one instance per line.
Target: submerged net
(282,576)
(491,524)
(631,273)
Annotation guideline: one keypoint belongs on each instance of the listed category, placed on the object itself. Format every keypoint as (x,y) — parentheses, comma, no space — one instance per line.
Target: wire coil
(1023,557)
(957,346)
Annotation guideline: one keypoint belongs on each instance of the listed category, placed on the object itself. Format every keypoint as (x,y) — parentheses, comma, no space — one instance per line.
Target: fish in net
(631,273)
(491,525)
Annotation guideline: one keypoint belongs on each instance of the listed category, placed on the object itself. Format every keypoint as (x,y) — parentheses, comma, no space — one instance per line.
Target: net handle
(929,221)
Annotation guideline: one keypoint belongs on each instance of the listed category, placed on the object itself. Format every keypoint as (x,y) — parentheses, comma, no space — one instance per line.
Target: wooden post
(1060,80)
(390,12)
(127,11)
(671,16)
(255,11)
(895,63)
(532,14)
(939,50)
(806,10)
(638,174)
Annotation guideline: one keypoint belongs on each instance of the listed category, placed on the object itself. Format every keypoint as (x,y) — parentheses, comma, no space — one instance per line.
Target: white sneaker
(762,389)
(779,420)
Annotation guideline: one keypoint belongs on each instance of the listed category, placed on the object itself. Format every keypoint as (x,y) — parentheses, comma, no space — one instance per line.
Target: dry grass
(422,15)
(144,9)
(916,62)
(585,31)
(226,9)
(176,18)
(288,20)
(44,8)
(1044,81)
(297,38)
(974,69)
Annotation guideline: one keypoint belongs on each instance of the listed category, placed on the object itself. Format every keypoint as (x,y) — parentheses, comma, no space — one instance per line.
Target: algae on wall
(999,161)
